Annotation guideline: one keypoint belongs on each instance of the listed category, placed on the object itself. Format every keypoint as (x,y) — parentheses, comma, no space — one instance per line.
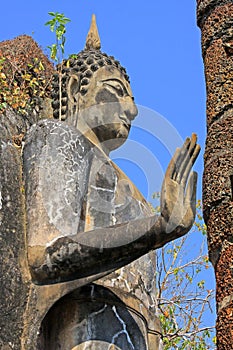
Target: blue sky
(159,44)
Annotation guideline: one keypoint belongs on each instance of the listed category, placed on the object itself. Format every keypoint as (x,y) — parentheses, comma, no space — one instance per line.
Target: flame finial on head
(93,39)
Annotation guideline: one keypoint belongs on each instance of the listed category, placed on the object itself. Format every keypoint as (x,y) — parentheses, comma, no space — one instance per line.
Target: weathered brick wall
(215,19)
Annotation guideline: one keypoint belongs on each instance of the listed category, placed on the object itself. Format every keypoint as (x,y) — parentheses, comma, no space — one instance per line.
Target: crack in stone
(123,331)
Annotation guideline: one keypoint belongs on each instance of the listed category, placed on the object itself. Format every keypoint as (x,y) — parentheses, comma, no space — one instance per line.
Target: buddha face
(107,109)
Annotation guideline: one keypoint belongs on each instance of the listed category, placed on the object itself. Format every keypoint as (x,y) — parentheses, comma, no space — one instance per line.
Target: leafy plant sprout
(57,25)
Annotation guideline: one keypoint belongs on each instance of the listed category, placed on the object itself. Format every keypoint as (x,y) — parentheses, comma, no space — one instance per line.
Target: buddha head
(95,94)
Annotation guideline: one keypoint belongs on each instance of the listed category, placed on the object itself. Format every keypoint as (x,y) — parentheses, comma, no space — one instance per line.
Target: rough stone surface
(217,25)
(224,280)
(206,7)
(219,228)
(217,43)
(13,277)
(215,19)
(225,328)
(219,81)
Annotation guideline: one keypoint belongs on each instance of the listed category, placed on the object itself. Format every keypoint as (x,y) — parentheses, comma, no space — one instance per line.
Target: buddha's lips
(125,120)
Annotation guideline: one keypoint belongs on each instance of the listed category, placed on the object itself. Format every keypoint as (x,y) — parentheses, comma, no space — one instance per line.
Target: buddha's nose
(131,110)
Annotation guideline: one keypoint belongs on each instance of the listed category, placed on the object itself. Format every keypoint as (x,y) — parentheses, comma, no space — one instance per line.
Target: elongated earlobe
(73,87)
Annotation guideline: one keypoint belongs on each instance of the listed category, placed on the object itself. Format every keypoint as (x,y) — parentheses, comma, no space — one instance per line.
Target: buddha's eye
(119,90)
(117,87)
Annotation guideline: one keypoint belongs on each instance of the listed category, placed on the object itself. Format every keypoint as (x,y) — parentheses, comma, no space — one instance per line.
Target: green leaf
(201,284)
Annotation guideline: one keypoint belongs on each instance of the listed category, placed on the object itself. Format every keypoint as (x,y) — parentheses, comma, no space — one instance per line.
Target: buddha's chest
(111,198)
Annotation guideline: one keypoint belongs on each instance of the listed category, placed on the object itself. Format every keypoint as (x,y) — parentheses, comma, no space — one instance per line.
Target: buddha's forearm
(97,251)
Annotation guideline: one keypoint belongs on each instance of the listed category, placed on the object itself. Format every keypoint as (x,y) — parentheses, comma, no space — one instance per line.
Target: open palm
(178,194)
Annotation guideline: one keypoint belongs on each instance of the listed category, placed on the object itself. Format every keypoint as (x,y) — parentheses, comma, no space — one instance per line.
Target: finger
(190,197)
(188,160)
(171,169)
(189,165)
(180,159)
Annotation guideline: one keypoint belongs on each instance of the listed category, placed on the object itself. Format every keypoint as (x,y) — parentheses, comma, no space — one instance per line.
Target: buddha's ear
(73,88)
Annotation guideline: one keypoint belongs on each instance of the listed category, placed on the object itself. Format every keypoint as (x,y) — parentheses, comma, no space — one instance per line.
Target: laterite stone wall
(215,18)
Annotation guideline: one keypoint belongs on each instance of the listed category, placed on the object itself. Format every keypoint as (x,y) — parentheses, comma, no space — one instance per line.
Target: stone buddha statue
(91,235)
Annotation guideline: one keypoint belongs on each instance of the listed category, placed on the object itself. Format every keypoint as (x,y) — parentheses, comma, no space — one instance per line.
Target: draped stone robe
(72,186)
